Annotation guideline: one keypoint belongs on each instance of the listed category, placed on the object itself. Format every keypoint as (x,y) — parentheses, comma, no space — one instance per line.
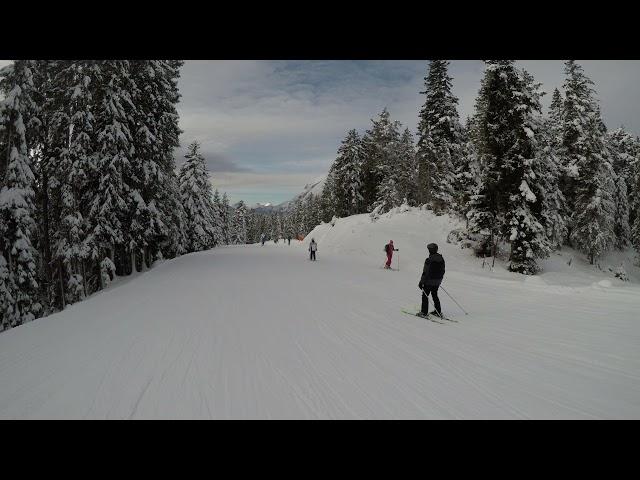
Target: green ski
(426,318)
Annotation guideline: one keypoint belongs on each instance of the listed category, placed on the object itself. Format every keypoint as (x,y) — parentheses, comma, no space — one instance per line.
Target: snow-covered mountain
(263,207)
(253,331)
(314,187)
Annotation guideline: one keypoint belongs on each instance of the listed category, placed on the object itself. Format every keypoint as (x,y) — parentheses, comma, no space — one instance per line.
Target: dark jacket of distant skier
(431,278)
(313,246)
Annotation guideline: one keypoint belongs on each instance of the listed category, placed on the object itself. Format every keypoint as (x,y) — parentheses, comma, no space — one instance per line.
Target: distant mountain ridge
(315,187)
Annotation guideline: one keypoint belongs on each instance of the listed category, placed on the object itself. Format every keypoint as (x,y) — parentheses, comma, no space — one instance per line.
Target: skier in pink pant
(388,248)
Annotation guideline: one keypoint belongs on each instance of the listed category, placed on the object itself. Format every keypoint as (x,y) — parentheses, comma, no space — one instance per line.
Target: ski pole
(465,312)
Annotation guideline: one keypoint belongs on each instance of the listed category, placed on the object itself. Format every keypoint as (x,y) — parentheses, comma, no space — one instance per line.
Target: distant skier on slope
(430,280)
(313,246)
(262,238)
(388,248)
(289,239)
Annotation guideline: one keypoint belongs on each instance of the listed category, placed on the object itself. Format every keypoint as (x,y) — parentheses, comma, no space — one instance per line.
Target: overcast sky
(269,127)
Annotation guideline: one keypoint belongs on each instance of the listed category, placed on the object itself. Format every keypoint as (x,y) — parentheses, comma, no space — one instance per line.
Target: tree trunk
(61,275)
(134,264)
(84,279)
(46,241)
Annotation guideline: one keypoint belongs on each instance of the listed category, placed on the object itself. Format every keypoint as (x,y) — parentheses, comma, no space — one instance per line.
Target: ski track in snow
(261,332)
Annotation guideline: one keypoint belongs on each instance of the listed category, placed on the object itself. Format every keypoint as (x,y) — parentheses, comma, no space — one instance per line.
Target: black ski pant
(312,255)
(433,290)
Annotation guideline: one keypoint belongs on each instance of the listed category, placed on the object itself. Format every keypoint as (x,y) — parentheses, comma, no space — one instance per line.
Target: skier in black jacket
(431,279)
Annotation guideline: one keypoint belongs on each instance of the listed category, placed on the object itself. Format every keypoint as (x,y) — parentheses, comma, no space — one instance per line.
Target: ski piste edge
(413,314)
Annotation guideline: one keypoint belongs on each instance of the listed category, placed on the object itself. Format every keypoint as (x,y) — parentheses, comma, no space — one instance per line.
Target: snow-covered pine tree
(491,132)
(522,174)
(467,172)
(301,216)
(635,228)
(621,225)
(389,167)
(547,171)
(70,165)
(42,162)
(594,218)
(407,169)
(577,113)
(347,172)
(240,224)
(377,150)
(147,226)
(172,241)
(556,109)
(225,220)
(279,229)
(110,204)
(439,139)
(19,286)
(218,214)
(6,299)
(624,151)
(588,181)
(196,197)
(509,201)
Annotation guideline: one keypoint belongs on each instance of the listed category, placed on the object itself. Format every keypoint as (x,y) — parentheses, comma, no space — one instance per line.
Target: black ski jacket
(433,271)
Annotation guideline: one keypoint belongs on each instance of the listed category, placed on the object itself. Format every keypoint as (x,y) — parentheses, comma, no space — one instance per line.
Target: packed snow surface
(262,332)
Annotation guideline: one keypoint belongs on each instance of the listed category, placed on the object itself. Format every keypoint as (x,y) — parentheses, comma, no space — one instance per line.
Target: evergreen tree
(225,220)
(239,224)
(6,299)
(624,151)
(377,146)
(621,226)
(328,205)
(492,131)
(588,181)
(172,240)
(522,171)
(635,230)
(547,172)
(555,112)
(195,193)
(347,172)
(18,257)
(467,172)
(407,169)
(71,165)
(439,139)
(509,200)
(387,150)
(111,201)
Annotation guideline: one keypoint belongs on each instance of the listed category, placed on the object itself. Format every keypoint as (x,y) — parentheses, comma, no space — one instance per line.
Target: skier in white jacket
(313,246)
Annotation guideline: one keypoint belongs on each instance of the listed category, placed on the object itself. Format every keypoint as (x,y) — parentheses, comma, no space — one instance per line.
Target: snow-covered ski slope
(262,332)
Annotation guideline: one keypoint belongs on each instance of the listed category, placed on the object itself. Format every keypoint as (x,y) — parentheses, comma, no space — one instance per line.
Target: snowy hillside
(411,229)
(262,332)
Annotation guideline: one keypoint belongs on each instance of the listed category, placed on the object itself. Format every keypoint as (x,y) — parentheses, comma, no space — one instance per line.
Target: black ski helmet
(432,247)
